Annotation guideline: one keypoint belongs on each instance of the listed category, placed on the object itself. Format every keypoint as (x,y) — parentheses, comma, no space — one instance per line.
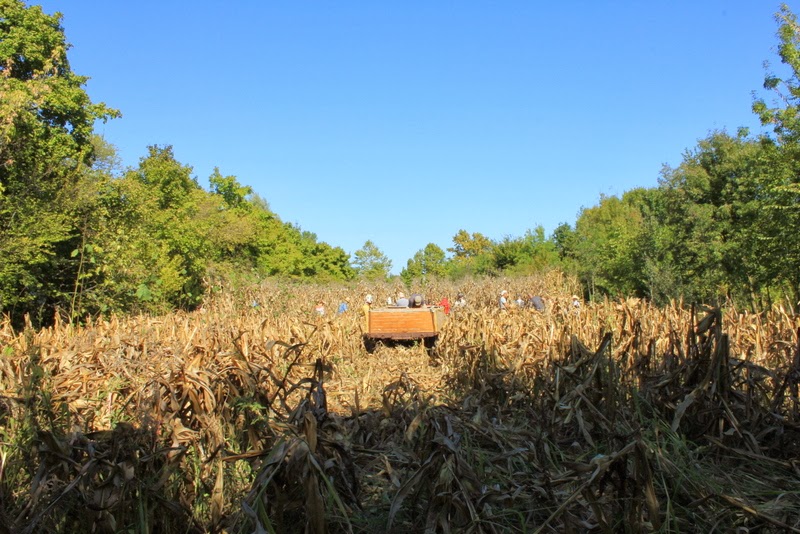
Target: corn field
(253,414)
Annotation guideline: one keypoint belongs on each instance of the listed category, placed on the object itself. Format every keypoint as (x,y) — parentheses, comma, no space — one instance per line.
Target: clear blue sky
(403,122)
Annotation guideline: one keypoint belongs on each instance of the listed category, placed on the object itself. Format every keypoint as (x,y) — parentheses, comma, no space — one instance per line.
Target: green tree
(653,271)
(605,246)
(466,245)
(711,216)
(234,194)
(471,254)
(157,247)
(528,254)
(542,252)
(46,148)
(229,218)
(430,261)
(371,263)
(284,249)
(781,188)
(784,116)
(564,240)
(170,183)
(82,258)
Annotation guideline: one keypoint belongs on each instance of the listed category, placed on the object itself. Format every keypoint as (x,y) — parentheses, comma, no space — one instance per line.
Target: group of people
(534,302)
(319,309)
(416,301)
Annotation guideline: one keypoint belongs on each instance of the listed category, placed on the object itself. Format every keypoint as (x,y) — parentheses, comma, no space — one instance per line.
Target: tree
(284,249)
(784,117)
(471,254)
(46,147)
(169,181)
(564,240)
(231,231)
(429,261)
(605,246)
(524,255)
(371,263)
(154,250)
(234,194)
(467,246)
(712,218)
(542,253)
(781,189)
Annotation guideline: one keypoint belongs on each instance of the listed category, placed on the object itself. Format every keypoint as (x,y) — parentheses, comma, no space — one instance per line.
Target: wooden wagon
(403,324)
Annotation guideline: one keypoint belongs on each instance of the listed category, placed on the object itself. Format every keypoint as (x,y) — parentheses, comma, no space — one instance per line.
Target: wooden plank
(404,323)
(400,322)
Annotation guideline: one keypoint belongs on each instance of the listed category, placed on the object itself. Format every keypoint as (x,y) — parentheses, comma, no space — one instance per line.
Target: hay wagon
(396,324)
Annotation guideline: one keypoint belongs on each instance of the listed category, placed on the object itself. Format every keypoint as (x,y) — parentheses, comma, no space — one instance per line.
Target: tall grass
(253,414)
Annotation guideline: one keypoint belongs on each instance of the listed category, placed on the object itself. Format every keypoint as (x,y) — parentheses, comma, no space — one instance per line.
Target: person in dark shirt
(537,303)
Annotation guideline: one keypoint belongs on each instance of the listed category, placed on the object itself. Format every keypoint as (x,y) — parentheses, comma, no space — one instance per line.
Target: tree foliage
(780,191)
(605,245)
(428,262)
(370,263)
(81,236)
(46,149)
(531,253)
(466,245)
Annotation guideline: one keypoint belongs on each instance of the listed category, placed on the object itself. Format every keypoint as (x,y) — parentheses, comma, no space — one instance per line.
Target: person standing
(366,309)
(503,300)
(320,308)
(402,300)
(367,304)
(537,303)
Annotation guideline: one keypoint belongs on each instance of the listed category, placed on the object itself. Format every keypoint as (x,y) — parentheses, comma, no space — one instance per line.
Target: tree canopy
(80,236)
(46,153)
(371,263)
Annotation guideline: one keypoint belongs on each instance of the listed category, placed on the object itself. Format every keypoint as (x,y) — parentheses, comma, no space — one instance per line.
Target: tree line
(724,224)
(81,236)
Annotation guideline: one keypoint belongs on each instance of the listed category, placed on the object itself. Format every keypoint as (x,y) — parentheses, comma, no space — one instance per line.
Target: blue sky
(403,122)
